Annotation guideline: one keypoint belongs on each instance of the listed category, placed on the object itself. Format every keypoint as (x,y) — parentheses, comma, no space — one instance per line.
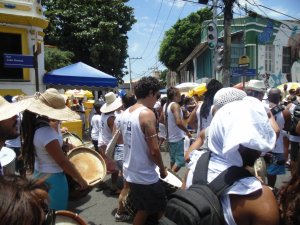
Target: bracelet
(154,135)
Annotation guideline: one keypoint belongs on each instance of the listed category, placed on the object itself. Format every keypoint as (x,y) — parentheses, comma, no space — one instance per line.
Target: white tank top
(137,167)
(175,134)
(279,148)
(105,132)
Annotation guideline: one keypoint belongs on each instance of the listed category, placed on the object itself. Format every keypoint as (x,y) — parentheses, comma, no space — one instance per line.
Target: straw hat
(52,105)
(112,103)
(8,110)
(256,85)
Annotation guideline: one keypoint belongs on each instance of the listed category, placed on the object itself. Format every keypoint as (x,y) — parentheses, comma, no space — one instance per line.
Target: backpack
(295,119)
(199,204)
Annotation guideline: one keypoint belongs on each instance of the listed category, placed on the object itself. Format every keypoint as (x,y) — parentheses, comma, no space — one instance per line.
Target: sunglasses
(49,217)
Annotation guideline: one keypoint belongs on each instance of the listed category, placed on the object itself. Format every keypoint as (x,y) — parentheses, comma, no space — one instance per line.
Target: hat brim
(8,110)
(255,89)
(106,108)
(64,114)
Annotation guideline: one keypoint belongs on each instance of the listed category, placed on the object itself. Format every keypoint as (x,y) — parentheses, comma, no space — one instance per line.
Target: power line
(255,4)
(163,27)
(153,27)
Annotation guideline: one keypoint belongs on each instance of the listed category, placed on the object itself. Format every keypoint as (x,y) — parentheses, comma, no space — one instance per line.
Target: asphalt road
(99,207)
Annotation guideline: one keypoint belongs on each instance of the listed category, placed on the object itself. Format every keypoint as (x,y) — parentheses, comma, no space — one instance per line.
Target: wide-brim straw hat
(8,110)
(256,85)
(112,103)
(52,105)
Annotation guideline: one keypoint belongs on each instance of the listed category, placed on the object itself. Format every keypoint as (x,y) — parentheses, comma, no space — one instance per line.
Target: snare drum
(90,165)
(64,217)
(172,182)
(72,139)
(7,159)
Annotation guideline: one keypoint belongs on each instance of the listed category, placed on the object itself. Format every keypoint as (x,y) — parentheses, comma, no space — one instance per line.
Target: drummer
(8,120)
(42,149)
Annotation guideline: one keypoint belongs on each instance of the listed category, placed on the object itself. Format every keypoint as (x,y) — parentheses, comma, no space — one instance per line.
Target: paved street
(98,207)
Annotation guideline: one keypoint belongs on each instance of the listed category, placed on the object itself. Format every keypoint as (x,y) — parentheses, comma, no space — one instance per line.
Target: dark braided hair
(212,87)
(28,130)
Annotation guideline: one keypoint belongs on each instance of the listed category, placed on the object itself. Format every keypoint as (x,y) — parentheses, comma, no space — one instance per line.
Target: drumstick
(93,181)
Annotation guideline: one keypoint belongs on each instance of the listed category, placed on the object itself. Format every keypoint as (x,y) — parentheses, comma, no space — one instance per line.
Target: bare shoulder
(257,208)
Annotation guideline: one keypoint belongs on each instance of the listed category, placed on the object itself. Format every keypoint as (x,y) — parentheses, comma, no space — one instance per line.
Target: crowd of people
(248,128)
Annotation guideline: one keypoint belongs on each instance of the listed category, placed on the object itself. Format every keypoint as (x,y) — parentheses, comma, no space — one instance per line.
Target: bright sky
(155,17)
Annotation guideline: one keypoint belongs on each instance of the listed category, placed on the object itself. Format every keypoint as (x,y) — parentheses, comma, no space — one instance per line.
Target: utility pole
(215,3)
(227,41)
(130,80)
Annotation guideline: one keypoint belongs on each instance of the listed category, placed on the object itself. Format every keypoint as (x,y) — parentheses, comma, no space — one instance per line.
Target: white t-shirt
(138,166)
(44,162)
(96,126)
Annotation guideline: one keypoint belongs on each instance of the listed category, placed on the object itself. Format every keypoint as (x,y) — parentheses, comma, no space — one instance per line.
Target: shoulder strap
(221,182)
(227,178)
(200,173)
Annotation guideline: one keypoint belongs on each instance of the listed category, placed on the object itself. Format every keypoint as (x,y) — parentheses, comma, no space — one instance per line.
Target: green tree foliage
(55,58)
(94,30)
(163,77)
(182,38)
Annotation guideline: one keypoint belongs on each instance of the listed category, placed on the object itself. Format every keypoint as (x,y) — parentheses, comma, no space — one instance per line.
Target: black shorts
(294,150)
(151,198)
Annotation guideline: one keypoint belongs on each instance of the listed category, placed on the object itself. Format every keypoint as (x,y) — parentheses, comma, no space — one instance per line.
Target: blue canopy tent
(79,74)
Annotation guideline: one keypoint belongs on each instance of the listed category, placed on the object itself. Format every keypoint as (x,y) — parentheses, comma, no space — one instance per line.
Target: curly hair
(212,87)
(22,201)
(290,198)
(145,85)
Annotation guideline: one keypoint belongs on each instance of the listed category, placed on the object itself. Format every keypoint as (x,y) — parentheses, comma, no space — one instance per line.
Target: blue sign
(18,61)
(238,72)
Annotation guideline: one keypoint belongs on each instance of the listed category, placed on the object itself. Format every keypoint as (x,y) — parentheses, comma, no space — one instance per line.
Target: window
(269,58)
(286,59)
(10,43)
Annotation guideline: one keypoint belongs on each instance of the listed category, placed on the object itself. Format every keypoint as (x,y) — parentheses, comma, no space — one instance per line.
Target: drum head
(7,155)
(64,217)
(89,164)
(172,178)
(72,139)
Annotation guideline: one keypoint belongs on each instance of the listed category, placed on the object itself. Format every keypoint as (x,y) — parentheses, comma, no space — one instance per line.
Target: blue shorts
(276,165)
(151,197)
(58,189)
(177,153)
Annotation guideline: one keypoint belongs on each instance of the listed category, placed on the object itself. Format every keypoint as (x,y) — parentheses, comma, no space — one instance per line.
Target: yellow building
(21,32)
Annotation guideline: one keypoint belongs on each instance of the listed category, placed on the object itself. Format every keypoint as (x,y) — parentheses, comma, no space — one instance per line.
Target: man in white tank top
(279,155)
(175,129)
(142,154)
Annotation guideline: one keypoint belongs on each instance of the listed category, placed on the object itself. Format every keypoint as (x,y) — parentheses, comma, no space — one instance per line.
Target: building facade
(272,46)
(21,32)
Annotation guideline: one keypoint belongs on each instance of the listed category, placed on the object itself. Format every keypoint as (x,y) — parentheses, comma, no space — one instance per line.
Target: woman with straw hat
(42,148)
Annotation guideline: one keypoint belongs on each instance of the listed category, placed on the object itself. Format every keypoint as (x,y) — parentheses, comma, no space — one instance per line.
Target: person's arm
(55,151)
(175,108)
(196,145)
(258,208)
(148,126)
(192,120)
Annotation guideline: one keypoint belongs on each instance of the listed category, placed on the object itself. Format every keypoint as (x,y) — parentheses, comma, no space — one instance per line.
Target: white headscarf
(243,122)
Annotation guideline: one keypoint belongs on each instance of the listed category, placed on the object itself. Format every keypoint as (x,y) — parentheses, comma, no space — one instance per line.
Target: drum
(172,182)
(64,217)
(90,165)
(72,139)
(7,159)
